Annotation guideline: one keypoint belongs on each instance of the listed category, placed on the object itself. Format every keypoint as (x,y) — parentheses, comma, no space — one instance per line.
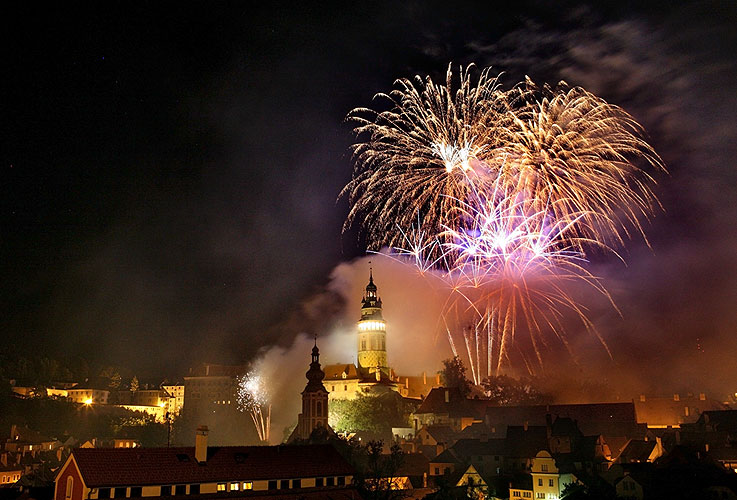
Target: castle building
(372,372)
(371,333)
(314,414)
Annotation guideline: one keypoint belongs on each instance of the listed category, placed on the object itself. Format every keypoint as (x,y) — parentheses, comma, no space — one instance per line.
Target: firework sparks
(252,398)
(500,195)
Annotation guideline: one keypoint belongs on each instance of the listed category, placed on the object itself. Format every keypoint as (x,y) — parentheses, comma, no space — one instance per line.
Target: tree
(454,375)
(134,384)
(507,391)
(373,413)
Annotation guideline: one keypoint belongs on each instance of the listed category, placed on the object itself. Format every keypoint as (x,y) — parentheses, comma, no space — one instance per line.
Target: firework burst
(500,195)
(424,153)
(251,397)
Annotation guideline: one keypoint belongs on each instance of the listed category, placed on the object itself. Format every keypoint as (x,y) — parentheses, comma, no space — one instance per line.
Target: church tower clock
(371,333)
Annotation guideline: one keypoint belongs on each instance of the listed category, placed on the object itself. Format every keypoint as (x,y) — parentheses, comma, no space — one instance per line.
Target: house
(88,395)
(311,471)
(549,480)
(673,411)
(478,484)
(9,474)
(446,406)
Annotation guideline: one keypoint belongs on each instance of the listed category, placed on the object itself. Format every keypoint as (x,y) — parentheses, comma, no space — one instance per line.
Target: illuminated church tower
(314,416)
(371,333)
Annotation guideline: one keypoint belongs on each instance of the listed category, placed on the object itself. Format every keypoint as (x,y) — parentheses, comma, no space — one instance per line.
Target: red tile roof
(152,466)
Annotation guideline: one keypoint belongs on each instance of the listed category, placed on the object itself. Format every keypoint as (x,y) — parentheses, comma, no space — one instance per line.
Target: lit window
(248,485)
(234,486)
(221,486)
(70,487)
(550,482)
(544,467)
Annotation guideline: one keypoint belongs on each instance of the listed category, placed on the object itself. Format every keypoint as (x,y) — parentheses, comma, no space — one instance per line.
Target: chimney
(424,378)
(200,444)
(406,383)
(437,379)
(447,396)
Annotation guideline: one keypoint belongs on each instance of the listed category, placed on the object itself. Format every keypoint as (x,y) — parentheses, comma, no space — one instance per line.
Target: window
(103,493)
(165,491)
(136,491)
(332,388)
(527,494)
(345,387)
(221,487)
(515,493)
(544,467)
(70,487)
(180,489)
(284,484)
(272,485)
(248,485)
(437,471)
(341,480)
(318,411)
(119,492)
(550,483)
(540,495)
(194,489)
(319,482)
(329,481)
(234,486)
(296,483)
(539,481)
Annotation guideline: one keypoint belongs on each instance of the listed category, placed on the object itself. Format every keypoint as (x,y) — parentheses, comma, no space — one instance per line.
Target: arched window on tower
(318,409)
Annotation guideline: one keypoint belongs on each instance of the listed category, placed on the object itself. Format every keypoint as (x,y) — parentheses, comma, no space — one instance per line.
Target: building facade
(311,472)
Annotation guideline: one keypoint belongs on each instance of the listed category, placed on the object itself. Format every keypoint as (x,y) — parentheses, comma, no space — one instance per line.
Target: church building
(314,415)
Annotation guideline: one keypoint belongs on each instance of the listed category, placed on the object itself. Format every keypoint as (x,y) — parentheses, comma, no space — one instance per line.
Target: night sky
(170,172)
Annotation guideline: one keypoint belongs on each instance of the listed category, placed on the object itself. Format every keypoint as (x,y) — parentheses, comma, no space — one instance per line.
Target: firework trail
(500,195)
(252,398)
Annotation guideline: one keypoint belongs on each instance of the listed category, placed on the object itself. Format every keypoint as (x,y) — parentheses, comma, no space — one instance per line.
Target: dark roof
(414,464)
(446,457)
(335,372)
(467,448)
(668,411)
(637,450)
(455,406)
(441,433)
(526,443)
(151,466)
(565,426)
(724,420)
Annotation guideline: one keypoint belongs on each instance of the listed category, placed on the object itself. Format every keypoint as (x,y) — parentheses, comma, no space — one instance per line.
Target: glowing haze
(501,195)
